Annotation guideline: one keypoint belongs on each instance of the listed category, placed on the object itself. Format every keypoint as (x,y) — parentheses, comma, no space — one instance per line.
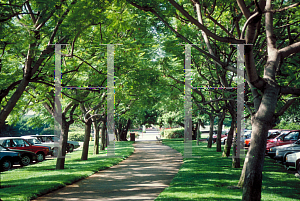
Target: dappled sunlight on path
(142,176)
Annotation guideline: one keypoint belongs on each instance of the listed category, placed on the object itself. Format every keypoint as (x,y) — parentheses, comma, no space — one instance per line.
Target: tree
(261,76)
(28,30)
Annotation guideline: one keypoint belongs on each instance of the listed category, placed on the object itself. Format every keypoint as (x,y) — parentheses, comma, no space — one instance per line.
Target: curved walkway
(142,176)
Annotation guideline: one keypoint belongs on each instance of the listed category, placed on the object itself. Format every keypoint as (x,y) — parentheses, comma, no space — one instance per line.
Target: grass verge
(32,181)
(211,176)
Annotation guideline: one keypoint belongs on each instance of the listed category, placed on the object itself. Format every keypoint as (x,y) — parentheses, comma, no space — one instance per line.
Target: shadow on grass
(208,178)
(33,180)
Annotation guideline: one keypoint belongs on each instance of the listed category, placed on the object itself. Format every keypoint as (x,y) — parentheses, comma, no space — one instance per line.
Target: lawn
(32,181)
(211,176)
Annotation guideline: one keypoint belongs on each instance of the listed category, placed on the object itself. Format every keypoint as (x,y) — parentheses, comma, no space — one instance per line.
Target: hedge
(173,133)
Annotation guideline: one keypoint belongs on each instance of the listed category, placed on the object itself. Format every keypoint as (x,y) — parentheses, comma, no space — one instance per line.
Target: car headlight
(277,152)
(271,149)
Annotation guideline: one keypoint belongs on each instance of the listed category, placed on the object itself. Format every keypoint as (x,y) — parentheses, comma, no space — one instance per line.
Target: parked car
(247,138)
(290,138)
(224,134)
(279,153)
(22,144)
(293,161)
(27,157)
(223,140)
(71,145)
(271,135)
(8,158)
(278,137)
(246,135)
(34,140)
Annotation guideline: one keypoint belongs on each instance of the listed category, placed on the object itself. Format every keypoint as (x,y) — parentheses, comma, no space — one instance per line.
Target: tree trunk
(96,142)
(123,136)
(103,136)
(198,132)
(220,125)
(235,158)
(253,165)
(194,129)
(228,143)
(87,134)
(13,100)
(60,162)
(211,129)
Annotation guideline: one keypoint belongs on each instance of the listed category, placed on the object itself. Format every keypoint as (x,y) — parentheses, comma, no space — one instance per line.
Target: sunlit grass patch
(34,180)
(212,177)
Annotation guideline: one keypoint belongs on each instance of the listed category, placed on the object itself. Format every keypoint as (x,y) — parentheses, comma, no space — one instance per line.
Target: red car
(278,137)
(22,144)
(290,138)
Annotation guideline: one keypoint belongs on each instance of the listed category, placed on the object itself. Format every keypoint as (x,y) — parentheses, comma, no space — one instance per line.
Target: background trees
(149,72)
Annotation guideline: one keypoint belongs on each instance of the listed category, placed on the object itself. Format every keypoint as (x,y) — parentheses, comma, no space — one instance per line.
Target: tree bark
(13,100)
(253,165)
(198,132)
(103,136)
(87,134)
(220,125)
(123,136)
(211,129)
(236,163)
(227,147)
(60,162)
(96,141)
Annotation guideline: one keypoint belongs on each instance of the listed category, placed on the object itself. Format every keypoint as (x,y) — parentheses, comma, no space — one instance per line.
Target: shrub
(161,132)
(173,133)
(76,136)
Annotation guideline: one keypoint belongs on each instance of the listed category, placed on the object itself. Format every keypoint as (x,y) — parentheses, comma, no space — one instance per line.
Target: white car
(293,161)
(35,141)
(71,145)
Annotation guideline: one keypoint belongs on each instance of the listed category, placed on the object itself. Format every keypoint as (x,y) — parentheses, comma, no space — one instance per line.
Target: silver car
(293,161)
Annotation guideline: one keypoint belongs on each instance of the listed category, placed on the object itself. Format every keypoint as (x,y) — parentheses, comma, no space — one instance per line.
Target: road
(150,135)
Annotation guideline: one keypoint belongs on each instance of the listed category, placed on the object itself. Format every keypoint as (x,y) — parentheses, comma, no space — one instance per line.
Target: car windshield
(34,141)
(291,136)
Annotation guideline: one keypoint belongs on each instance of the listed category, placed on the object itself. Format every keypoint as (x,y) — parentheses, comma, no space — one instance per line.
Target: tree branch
(285,8)
(60,22)
(244,8)
(201,27)
(291,49)
(285,107)
(289,90)
(30,11)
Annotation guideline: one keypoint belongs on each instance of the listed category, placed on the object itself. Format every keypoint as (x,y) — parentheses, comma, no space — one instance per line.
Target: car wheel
(25,160)
(40,157)
(298,167)
(71,148)
(5,164)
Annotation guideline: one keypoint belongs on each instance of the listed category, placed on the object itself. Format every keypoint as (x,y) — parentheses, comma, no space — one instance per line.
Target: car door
(20,144)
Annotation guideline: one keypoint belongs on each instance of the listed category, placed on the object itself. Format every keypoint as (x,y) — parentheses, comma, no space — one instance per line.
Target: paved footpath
(142,176)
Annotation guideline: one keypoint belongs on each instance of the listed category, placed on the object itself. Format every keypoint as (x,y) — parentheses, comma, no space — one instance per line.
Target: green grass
(208,178)
(32,181)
